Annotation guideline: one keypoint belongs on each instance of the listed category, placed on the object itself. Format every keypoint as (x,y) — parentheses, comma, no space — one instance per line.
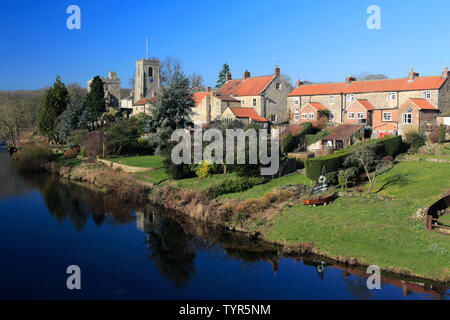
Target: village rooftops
(384,85)
(317,105)
(423,104)
(342,132)
(248,113)
(199,96)
(366,104)
(144,101)
(226,98)
(245,87)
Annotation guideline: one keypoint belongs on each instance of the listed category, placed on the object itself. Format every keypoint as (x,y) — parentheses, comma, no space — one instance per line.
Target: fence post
(429,222)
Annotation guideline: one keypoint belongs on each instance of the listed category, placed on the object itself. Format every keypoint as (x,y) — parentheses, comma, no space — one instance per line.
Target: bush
(392,145)
(434,134)
(331,162)
(203,169)
(297,142)
(72,153)
(415,140)
(33,157)
(441,138)
(232,185)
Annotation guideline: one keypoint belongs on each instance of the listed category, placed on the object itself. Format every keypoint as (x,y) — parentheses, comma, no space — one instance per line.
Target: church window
(150,72)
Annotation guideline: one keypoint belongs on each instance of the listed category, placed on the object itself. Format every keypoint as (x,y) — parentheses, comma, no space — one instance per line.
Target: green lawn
(377,231)
(201,184)
(259,190)
(153,176)
(140,161)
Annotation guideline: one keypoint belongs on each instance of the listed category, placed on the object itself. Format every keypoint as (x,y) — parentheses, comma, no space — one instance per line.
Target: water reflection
(173,242)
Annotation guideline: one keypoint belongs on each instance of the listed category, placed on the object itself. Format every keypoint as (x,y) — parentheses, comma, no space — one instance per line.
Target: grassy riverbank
(376,229)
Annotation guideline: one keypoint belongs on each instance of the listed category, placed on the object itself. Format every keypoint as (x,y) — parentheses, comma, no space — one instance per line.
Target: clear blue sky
(315,40)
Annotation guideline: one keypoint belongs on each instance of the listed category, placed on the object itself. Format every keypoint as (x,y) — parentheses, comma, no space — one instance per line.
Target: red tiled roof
(342,132)
(248,113)
(227,98)
(317,105)
(292,130)
(423,104)
(144,101)
(199,96)
(384,85)
(366,104)
(245,87)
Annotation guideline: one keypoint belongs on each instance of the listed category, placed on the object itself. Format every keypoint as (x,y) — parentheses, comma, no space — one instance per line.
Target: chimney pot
(276,71)
(228,76)
(245,74)
(208,89)
(445,73)
(413,75)
(349,80)
(298,83)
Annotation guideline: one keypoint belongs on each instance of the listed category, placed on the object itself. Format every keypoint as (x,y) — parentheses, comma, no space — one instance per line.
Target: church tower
(147,82)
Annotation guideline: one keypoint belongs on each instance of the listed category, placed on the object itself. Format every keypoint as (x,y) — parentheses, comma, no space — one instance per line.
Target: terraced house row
(388,106)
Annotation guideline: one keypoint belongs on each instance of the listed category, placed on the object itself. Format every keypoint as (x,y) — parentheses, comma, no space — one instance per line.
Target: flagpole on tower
(146,48)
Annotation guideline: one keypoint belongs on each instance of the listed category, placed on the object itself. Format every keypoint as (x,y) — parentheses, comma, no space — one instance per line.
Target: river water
(128,252)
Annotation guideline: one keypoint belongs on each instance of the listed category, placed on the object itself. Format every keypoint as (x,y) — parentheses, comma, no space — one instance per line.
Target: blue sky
(315,40)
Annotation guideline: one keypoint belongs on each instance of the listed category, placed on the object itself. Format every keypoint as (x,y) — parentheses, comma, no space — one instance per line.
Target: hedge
(232,185)
(390,145)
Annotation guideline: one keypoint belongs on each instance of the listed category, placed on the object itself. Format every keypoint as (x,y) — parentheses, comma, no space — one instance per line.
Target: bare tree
(169,67)
(13,119)
(288,81)
(196,82)
(364,76)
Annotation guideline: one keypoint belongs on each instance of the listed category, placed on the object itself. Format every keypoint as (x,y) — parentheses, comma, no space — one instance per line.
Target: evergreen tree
(52,106)
(95,100)
(441,138)
(70,118)
(222,75)
(85,119)
(173,109)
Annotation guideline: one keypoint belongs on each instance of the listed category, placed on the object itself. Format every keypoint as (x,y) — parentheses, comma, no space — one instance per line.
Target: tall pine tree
(222,75)
(70,118)
(95,100)
(52,106)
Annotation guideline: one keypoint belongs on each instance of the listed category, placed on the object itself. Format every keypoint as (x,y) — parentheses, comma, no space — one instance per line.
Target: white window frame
(304,116)
(311,115)
(426,94)
(296,101)
(350,115)
(350,98)
(331,100)
(360,115)
(254,102)
(391,95)
(384,118)
(408,116)
(296,115)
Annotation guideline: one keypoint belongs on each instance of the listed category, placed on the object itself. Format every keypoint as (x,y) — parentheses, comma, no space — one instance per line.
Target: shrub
(232,185)
(72,153)
(441,138)
(33,157)
(297,142)
(392,145)
(434,134)
(415,140)
(203,169)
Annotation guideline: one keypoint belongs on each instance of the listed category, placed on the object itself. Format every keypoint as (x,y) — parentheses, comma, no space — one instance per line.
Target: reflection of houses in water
(144,219)
(436,291)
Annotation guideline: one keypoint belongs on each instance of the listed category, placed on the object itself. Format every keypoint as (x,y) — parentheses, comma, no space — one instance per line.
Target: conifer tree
(95,100)
(222,75)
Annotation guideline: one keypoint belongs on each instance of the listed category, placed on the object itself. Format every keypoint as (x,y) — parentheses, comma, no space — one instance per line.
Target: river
(126,251)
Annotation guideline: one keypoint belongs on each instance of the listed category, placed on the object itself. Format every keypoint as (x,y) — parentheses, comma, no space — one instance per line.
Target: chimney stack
(276,71)
(413,75)
(445,73)
(208,89)
(349,80)
(245,75)
(298,83)
(228,76)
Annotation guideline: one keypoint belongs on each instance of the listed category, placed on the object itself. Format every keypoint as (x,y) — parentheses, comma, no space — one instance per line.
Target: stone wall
(275,100)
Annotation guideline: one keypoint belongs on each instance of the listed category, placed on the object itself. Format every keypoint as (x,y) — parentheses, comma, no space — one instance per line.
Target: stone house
(311,112)
(244,115)
(382,94)
(111,87)
(342,136)
(266,94)
(415,114)
(201,113)
(143,106)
